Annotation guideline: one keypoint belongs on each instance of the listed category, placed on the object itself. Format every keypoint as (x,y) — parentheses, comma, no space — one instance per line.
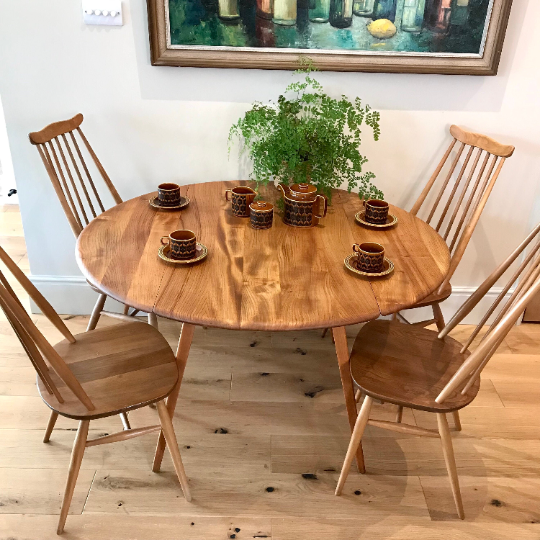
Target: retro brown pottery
(261,214)
(300,203)
(169,194)
(182,244)
(370,257)
(376,211)
(241,198)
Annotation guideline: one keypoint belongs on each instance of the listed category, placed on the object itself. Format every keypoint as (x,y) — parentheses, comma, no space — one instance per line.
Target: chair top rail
(482,141)
(55,129)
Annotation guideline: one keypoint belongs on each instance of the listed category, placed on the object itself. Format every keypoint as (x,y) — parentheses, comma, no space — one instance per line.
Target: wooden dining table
(280,279)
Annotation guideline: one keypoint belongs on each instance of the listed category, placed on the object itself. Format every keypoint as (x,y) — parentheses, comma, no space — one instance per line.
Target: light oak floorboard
(127,527)
(40,491)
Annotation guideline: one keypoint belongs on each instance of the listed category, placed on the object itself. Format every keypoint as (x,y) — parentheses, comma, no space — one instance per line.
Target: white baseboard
(71,295)
(450,306)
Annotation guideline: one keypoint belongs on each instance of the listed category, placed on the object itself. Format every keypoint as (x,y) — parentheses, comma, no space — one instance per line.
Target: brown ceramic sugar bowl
(168,194)
(182,244)
(369,257)
(241,198)
(376,211)
(261,214)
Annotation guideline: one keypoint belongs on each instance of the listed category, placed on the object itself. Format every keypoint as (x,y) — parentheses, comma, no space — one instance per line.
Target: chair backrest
(32,340)
(458,204)
(56,143)
(527,283)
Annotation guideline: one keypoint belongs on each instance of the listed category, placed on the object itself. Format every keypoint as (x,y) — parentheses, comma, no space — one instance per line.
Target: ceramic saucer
(391,220)
(350,263)
(154,202)
(200,254)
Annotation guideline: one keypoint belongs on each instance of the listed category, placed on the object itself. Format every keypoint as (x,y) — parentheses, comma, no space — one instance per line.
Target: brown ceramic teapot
(300,203)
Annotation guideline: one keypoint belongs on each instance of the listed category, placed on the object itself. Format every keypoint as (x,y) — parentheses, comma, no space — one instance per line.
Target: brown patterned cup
(376,211)
(169,194)
(241,198)
(182,244)
(370,257)
(261,214)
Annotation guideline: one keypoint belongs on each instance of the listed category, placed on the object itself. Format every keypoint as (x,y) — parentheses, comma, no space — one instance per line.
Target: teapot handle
(325,208)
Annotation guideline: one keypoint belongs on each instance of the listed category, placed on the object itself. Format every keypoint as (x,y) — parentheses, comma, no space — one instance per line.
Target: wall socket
(102,12)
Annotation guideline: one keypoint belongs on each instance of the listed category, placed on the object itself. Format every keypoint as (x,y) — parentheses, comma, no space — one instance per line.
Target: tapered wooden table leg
(182,353)
(342,351)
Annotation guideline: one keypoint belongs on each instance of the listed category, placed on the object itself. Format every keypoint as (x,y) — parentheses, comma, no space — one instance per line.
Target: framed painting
(401,36)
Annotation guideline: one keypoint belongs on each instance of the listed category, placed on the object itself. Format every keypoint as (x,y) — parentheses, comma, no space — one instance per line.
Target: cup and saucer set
(169,198)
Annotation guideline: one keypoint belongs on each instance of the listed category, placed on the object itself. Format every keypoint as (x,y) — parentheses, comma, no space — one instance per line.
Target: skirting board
(71,295)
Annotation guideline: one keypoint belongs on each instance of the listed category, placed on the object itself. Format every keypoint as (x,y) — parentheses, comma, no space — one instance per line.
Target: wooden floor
(263,431)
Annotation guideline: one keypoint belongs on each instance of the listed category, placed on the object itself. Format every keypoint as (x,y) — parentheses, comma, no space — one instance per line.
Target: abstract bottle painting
(440,27)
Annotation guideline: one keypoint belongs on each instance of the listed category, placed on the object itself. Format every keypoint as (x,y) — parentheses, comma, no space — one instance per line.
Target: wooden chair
(64,160)
(454,210)
(96,374)
(412,366)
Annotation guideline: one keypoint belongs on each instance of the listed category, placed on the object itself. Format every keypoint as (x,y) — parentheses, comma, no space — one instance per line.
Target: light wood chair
(414,367)
(63,158)
(454,210)
(96,374)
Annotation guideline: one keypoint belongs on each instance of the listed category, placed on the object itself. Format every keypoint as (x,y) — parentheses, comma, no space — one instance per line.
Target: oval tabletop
(283,278)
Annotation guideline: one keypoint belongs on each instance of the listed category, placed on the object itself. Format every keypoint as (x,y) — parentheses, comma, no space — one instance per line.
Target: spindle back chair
(453,205)
(77,377)
(415,367)
(69,172)
(69,159)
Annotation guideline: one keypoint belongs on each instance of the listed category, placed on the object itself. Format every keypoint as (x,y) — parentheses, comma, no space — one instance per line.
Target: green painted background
(196,22)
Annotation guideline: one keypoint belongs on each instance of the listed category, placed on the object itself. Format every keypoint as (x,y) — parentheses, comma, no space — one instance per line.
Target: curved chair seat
(408,365)
(121,367)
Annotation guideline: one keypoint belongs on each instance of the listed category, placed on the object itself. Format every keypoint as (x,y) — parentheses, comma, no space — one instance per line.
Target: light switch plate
(102,12)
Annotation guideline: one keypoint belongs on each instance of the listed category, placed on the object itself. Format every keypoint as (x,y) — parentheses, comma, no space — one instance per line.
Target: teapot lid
(304,189)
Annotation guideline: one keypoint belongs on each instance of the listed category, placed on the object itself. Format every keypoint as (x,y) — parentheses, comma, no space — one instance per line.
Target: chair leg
(152,320)
(98,308)
(74,467)
(358,432)
(448,450)
(358,395)
(126,309)
(172,443)
(125,420)
(50,426)
(457,421)
(439,318)
(399,414)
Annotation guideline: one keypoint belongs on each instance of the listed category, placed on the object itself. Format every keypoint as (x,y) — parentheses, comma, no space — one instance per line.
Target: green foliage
(309,137)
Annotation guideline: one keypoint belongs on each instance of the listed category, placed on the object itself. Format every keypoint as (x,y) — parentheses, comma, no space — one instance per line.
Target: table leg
(342,351)
(182,353)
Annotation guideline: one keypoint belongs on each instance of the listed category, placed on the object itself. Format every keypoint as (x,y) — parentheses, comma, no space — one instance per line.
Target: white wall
(153,124)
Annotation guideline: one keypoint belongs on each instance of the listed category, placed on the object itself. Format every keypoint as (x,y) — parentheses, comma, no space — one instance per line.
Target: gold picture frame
(484,63)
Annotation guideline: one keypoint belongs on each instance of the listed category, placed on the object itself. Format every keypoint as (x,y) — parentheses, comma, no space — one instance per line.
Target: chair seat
(120,367)
(434,297)
(408,365)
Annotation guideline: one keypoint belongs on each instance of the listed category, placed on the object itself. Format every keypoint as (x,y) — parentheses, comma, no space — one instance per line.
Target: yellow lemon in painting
(382,29)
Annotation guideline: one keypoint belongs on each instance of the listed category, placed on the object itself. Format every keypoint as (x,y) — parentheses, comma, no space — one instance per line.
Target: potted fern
(308,137)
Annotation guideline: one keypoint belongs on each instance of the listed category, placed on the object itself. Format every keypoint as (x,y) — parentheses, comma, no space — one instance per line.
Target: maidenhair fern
(307,136)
